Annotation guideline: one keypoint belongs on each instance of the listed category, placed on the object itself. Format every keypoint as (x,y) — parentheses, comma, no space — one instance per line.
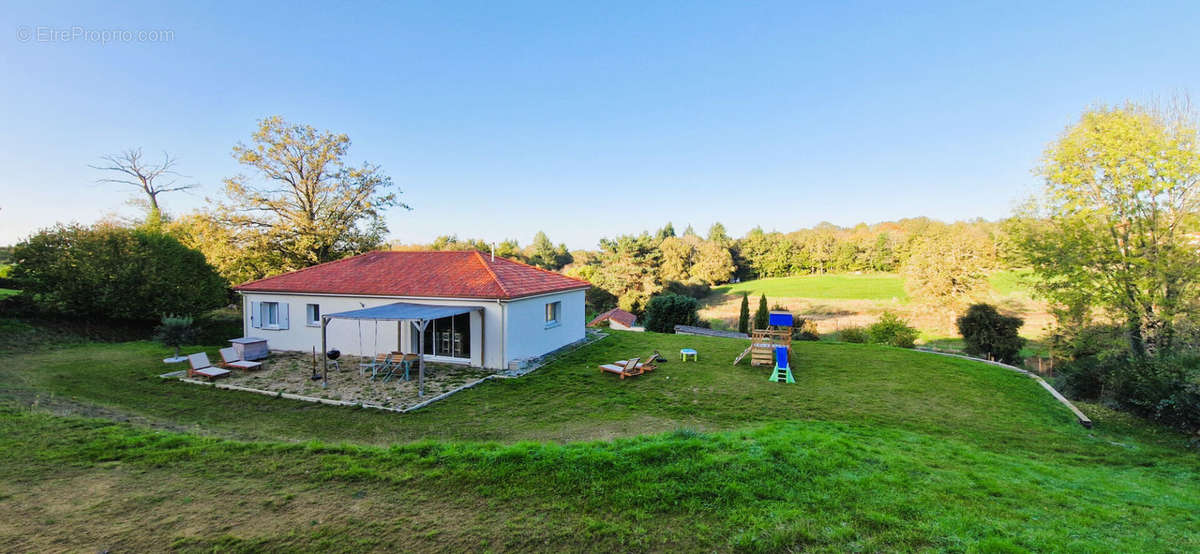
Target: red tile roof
(452,274)
(616,314)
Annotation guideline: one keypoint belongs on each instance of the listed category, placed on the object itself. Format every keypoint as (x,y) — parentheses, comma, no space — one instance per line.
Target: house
(481,310)
(617,319)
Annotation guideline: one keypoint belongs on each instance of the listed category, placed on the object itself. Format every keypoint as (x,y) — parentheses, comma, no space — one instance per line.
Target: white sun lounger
(230,358)
(200,366)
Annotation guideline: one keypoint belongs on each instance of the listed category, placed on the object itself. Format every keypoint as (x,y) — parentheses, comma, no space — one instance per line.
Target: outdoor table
(685,352)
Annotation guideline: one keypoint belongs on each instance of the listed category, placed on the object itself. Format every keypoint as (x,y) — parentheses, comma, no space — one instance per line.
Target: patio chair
(373,365)
(631,368)
(231,359)
(381,363)
(400,360)
(199,365)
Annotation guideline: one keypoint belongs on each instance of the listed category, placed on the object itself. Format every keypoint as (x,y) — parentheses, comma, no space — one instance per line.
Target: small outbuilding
(473,308)
(617,319)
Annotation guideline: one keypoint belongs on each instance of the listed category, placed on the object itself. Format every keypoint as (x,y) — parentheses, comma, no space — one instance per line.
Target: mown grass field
(836,301)
(874,449)
(871,286)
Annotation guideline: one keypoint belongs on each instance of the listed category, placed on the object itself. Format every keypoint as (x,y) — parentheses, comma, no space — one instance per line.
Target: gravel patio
(290,372)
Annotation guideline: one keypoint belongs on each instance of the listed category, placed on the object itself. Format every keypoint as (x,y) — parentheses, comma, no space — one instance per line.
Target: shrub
(762,316)
(990,334)
(744,315)
(892,331)
(175,331)
(1164,388)
(116,273)
(853,334)
(665,311)
(805,329)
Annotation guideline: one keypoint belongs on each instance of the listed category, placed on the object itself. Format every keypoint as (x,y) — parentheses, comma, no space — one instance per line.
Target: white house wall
(529,336)
(344,334)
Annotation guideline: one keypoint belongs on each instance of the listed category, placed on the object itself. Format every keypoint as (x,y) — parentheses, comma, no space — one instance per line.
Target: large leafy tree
(947,268)
(113,272)
(304,202)
(1112,229)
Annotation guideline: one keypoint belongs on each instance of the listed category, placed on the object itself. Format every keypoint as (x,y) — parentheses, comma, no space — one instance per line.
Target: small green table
(685,352)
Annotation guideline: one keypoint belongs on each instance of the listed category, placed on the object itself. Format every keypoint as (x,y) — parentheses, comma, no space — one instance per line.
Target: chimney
(493,251)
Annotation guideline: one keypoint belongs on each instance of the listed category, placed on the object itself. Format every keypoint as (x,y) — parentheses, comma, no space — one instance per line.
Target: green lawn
(878,286)
(1011,281)
(874,449)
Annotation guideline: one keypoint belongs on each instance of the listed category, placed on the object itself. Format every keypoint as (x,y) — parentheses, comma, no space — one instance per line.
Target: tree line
(944,262)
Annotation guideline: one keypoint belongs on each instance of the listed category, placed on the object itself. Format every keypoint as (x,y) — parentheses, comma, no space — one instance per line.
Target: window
(553,311)
(270,314)
(313,315)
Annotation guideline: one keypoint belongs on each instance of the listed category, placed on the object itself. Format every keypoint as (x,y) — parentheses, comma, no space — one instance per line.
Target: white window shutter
(283,315)
(256,314)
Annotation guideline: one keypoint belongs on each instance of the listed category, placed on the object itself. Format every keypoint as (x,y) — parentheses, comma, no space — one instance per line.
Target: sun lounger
(630,368)
(231,359)
(199,365)
(647,365)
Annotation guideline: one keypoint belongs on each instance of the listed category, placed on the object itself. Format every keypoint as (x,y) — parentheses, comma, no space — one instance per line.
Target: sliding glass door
(449,337)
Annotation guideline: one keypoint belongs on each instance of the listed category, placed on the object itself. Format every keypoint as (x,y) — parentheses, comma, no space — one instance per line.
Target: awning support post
(420,324)
(324,353)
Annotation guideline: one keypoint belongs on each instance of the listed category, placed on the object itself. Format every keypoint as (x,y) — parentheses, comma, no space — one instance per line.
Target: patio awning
(418,314)
(404,311)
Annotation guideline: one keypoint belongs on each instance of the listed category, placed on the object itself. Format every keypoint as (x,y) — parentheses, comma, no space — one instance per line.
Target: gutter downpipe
(503,333)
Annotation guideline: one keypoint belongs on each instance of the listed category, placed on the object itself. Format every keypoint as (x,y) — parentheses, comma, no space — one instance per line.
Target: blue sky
(500,119)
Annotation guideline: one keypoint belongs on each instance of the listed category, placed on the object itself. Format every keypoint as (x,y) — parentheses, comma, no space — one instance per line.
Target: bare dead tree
(148,176)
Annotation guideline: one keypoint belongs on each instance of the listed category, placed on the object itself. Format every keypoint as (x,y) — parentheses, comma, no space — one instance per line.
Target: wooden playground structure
(768,346)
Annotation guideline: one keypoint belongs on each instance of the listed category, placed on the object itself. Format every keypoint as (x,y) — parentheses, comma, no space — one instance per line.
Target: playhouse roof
(453,274)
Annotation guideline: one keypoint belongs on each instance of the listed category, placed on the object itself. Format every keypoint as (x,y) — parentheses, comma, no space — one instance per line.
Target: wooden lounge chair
(647,365)
(231,359)
(631,368)
(199,365)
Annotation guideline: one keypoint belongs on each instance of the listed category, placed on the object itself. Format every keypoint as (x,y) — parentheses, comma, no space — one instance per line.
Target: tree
(744,314)
(990,334)
(308,205)
(717,234)
(147,176)
(762,316)
(110,272)
(175,331)
(665,311)
(713,264)
(667,231)
(945,269)
(1112,229)
(628,268)
(542,253)
(677,259)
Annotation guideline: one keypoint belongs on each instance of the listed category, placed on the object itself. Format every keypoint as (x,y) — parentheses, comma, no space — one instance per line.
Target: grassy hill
(873,449)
